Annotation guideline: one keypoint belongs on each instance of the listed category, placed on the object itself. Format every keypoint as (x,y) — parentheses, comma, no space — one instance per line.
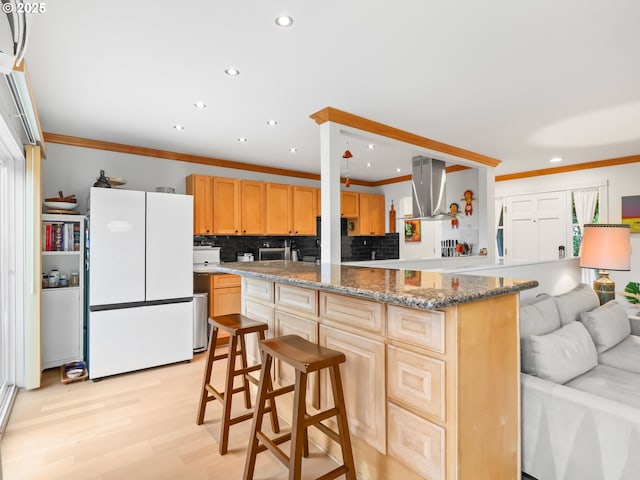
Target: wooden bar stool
(305,357)
(237,326)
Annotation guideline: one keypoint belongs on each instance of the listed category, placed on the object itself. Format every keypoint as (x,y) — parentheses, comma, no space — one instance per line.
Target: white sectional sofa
(580,388)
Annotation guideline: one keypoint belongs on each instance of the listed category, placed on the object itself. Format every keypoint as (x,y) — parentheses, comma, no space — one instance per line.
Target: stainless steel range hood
(428,185)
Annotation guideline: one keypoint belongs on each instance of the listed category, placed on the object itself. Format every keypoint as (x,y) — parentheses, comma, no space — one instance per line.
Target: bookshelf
(63,306)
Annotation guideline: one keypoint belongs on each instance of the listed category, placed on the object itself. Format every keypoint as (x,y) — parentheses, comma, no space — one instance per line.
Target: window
(585,201)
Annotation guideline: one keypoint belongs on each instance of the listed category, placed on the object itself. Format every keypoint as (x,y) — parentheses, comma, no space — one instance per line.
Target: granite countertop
(412,288)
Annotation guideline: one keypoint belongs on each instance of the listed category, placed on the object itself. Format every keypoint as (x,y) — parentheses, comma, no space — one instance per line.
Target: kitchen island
(432,373)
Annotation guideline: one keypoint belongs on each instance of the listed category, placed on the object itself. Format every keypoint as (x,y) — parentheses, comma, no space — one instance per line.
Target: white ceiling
(518,81)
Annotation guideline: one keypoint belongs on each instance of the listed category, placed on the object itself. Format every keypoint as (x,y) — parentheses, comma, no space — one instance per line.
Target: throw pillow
(608,325)
(539,317)
(561,355)
(580,299)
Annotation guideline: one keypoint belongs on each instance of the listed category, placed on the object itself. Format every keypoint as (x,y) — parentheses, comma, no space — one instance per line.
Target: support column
(330,161)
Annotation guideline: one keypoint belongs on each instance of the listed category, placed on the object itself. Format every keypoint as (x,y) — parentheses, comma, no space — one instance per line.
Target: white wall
(74,171)
(468,228)
(622,181)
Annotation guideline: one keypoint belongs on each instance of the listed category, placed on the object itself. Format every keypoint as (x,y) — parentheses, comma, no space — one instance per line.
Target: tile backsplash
(353,248)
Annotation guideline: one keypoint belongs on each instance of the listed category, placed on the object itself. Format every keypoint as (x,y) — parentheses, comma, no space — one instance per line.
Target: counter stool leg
(275,423)
(263,386)
(343,426)
(299,430)
(228,394)
(206,377)
(245,382)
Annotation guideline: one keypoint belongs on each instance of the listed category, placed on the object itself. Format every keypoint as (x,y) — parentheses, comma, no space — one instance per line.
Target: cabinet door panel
(417,380)
(354,312)
(418,327)
(262,313)
(279,209)
(297,299)
(61,327)
(201,187)
(252,212)
(417,443)
(285,374)
(226,206)
(349,204)
(363,380)
(305,207)
(226,301)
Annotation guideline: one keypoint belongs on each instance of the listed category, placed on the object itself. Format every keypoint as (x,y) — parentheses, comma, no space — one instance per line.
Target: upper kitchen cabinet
(252,207)
(349,204)
(226,206)
(279,202)
(371,218)
(201,187)
(305,210)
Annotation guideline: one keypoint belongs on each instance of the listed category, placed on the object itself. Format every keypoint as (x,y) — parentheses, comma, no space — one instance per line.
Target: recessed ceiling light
(232,72)
(556,159)
(371,146)
(293,149)
(200,105)
(398,169)
(272,123)
(284,21)
(369,164)
(242,140)
(178,127)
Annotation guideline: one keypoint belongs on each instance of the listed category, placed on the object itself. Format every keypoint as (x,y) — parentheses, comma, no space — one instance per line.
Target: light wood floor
(139,426)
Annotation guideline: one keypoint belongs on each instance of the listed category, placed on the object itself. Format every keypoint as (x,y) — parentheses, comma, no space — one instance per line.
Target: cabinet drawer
(354,312)
(418,327)
(226,280)
(261,290)
(417,443)
(297,299)
(417,380)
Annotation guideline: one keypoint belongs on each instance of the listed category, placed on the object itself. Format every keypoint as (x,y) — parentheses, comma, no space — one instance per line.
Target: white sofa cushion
(561,355)
(539,316)
(580,299)
(612,383)
(608,325)
(625,355)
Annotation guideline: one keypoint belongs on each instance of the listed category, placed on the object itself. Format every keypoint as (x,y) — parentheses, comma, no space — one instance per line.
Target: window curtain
(585,205)
(499,205)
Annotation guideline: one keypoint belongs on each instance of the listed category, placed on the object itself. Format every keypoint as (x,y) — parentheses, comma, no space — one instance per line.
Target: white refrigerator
(140,280)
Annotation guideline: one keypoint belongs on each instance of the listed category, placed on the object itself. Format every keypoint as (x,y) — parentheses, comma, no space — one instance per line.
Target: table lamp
(605,247)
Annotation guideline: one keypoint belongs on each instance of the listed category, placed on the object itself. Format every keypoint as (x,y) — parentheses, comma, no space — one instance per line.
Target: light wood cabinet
(363,381)
(226,206)
(434,390)
(371,220)
(349,204)
(278,209)
(304,210)
(252,207)
(201,188)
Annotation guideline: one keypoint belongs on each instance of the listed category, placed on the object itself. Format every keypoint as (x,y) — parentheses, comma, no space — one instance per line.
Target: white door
(117,246)
(169,246)
(535,226)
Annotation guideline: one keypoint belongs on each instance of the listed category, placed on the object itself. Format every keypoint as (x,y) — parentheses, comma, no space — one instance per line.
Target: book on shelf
(61,237)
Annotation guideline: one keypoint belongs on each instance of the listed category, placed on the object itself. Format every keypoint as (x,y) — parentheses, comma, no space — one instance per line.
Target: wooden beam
(569,168)
(330,114)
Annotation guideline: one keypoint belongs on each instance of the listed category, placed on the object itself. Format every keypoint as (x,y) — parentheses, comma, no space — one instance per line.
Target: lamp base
(604,287)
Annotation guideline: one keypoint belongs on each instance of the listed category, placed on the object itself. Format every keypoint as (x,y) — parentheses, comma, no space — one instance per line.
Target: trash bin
(200,318)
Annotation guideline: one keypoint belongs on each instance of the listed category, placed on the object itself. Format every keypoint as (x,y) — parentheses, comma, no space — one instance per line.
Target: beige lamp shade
(606,247)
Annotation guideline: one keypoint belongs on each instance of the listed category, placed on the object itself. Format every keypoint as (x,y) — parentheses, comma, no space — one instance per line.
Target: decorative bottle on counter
(392,219)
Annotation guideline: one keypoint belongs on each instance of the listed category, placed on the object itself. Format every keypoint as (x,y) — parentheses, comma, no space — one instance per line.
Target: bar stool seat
(305,357)
(237,326)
